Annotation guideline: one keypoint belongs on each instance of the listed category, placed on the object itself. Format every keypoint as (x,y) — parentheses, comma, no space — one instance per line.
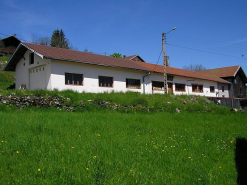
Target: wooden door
(170,89)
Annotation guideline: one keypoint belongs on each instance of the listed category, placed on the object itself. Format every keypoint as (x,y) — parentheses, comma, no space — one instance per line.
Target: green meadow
(99,145)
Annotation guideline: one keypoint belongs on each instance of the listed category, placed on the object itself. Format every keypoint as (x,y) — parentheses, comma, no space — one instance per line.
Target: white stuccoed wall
(27,74)
(50,74)
(91,74)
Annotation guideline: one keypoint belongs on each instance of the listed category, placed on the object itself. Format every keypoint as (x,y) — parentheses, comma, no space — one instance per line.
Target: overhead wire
(157,60)
(212,44)
(205,51)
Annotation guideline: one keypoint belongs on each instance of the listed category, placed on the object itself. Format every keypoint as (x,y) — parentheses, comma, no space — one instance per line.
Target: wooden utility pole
(164,61)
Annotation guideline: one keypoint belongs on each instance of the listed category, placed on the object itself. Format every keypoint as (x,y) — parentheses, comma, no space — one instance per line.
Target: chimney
(124,56)
(167,61)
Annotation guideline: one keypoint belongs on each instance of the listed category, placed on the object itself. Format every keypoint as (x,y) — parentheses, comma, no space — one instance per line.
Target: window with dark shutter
(133,83)
(73,79)
(31,58)
(179,87)
(158,85)
(105,81)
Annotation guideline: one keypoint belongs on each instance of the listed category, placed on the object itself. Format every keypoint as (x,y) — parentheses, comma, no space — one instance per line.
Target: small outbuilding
(8,45)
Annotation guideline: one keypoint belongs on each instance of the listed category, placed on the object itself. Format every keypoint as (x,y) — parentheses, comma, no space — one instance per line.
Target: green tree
(116,55)
(59,40)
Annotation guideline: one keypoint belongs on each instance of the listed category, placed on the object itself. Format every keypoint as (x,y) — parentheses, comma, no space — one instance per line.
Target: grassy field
(48,146)
(6,79)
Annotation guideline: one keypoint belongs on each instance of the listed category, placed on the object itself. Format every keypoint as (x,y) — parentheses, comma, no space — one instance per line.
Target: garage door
(37,78)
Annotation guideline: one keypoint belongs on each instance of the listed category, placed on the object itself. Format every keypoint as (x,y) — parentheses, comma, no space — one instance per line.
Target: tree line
(57,39)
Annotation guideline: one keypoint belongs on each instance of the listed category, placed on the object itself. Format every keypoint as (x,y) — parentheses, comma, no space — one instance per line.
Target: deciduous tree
(196,67)
(46,41)
(116,55)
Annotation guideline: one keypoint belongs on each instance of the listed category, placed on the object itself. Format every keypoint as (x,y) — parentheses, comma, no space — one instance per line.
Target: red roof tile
(130,57)
(181,72)
(223,72)
(90,58)
(83,57)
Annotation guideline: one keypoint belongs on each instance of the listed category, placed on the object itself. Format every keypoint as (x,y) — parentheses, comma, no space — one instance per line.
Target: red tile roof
(83,57)
(181,72)
(130,57)
(223,72)
(90,58)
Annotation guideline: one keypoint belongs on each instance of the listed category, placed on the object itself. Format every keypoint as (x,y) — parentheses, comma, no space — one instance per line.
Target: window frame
(223,88)
(176,88)
(31,58)
(128,86)
(211,89)
(197,89)
(157,88)
(105,79)
(72,78)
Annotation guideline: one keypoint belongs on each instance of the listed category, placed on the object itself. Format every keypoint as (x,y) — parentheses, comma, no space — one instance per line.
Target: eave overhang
(17,56)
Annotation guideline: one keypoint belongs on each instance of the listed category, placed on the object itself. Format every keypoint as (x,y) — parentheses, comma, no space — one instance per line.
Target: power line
(19,38)
(219,47)
(157,60)
(205,51)
(4,34)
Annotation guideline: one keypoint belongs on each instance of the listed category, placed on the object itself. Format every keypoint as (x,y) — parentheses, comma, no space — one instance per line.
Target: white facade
(33,76)
(50,74)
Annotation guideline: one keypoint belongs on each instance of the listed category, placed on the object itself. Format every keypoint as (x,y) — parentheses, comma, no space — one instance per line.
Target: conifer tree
(59,40)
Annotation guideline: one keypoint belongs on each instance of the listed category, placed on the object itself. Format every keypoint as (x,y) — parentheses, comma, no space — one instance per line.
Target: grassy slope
(102,146)
(6,78)
(106,147)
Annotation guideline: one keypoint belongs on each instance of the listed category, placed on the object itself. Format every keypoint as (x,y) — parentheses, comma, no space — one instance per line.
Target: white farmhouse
(43,67)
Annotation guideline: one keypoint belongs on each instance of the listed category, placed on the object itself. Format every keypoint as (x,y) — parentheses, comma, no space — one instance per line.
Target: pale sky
(209,32)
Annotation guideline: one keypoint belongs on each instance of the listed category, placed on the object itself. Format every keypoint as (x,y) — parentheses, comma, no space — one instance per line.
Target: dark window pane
(212,89)
(133,83)
(105,81)
(200,87)
(73,79)
(180,87)
(194,88)
(31,58)
(157,85)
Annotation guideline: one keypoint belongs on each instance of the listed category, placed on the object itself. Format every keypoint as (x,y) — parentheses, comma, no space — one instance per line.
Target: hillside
(52,137)
(121,102)
(6,78)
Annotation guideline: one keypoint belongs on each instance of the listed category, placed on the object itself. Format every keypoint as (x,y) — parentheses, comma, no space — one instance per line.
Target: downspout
(143,79)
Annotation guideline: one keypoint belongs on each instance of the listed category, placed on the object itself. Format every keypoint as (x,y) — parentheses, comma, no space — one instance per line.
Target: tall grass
(107,147)
(6,79)
(127,102)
